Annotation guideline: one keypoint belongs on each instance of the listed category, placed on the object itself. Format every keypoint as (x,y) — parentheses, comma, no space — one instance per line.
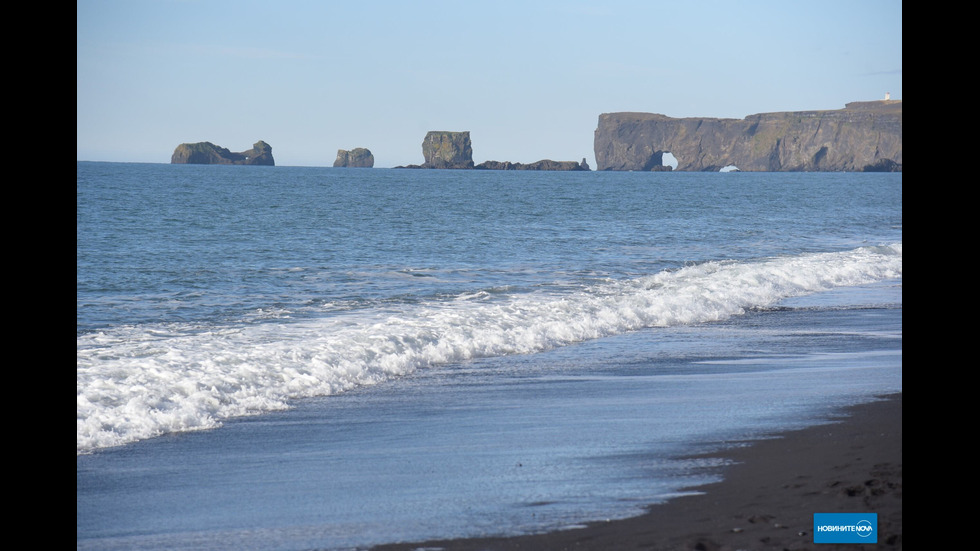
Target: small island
(359,157)
(544,164)
(443,149)
(206,153)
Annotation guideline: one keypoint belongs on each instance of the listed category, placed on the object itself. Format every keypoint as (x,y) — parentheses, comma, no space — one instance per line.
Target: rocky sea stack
(863,137)
(447,150)
(206,153)
(443,149)
(358,157)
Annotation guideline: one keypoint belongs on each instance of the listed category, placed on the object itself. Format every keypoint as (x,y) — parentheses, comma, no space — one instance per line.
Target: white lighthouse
(888,96)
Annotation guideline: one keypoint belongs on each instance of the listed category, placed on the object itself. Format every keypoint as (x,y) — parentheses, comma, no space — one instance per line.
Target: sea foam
(139,382)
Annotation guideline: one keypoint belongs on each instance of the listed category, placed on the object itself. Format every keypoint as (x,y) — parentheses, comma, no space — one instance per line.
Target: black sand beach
(766,501)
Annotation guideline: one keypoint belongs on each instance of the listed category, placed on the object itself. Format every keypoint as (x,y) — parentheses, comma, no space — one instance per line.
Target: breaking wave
(139,382)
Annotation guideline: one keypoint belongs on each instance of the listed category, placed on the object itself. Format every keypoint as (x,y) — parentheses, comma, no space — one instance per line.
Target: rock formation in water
(544,164)
(443,149)
(206,153)
(358,157)
(447,150)
(455,150)
(862,137)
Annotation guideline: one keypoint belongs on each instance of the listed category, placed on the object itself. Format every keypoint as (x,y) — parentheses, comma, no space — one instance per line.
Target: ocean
(296,358)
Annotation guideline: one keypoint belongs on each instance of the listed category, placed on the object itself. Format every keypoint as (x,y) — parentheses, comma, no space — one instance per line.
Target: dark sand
(766,500)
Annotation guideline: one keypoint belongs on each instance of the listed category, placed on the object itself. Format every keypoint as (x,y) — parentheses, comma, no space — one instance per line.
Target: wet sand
(766,500)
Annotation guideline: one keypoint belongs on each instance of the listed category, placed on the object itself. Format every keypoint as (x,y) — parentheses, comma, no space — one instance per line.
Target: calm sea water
(384,355)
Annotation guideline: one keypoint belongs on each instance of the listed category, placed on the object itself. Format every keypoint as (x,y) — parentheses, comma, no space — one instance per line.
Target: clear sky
(527,78)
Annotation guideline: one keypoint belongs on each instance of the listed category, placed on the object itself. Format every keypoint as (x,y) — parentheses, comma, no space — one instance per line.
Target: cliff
(206,153)
(862,137)
(358,157)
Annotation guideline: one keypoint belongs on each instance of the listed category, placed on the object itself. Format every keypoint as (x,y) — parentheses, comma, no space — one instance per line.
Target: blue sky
(528,79)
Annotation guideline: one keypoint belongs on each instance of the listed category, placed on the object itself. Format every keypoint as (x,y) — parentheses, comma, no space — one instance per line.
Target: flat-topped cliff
(206,153)
(862,137)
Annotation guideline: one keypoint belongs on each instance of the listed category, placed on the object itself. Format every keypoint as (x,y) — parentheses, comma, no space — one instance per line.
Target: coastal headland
(863,137)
